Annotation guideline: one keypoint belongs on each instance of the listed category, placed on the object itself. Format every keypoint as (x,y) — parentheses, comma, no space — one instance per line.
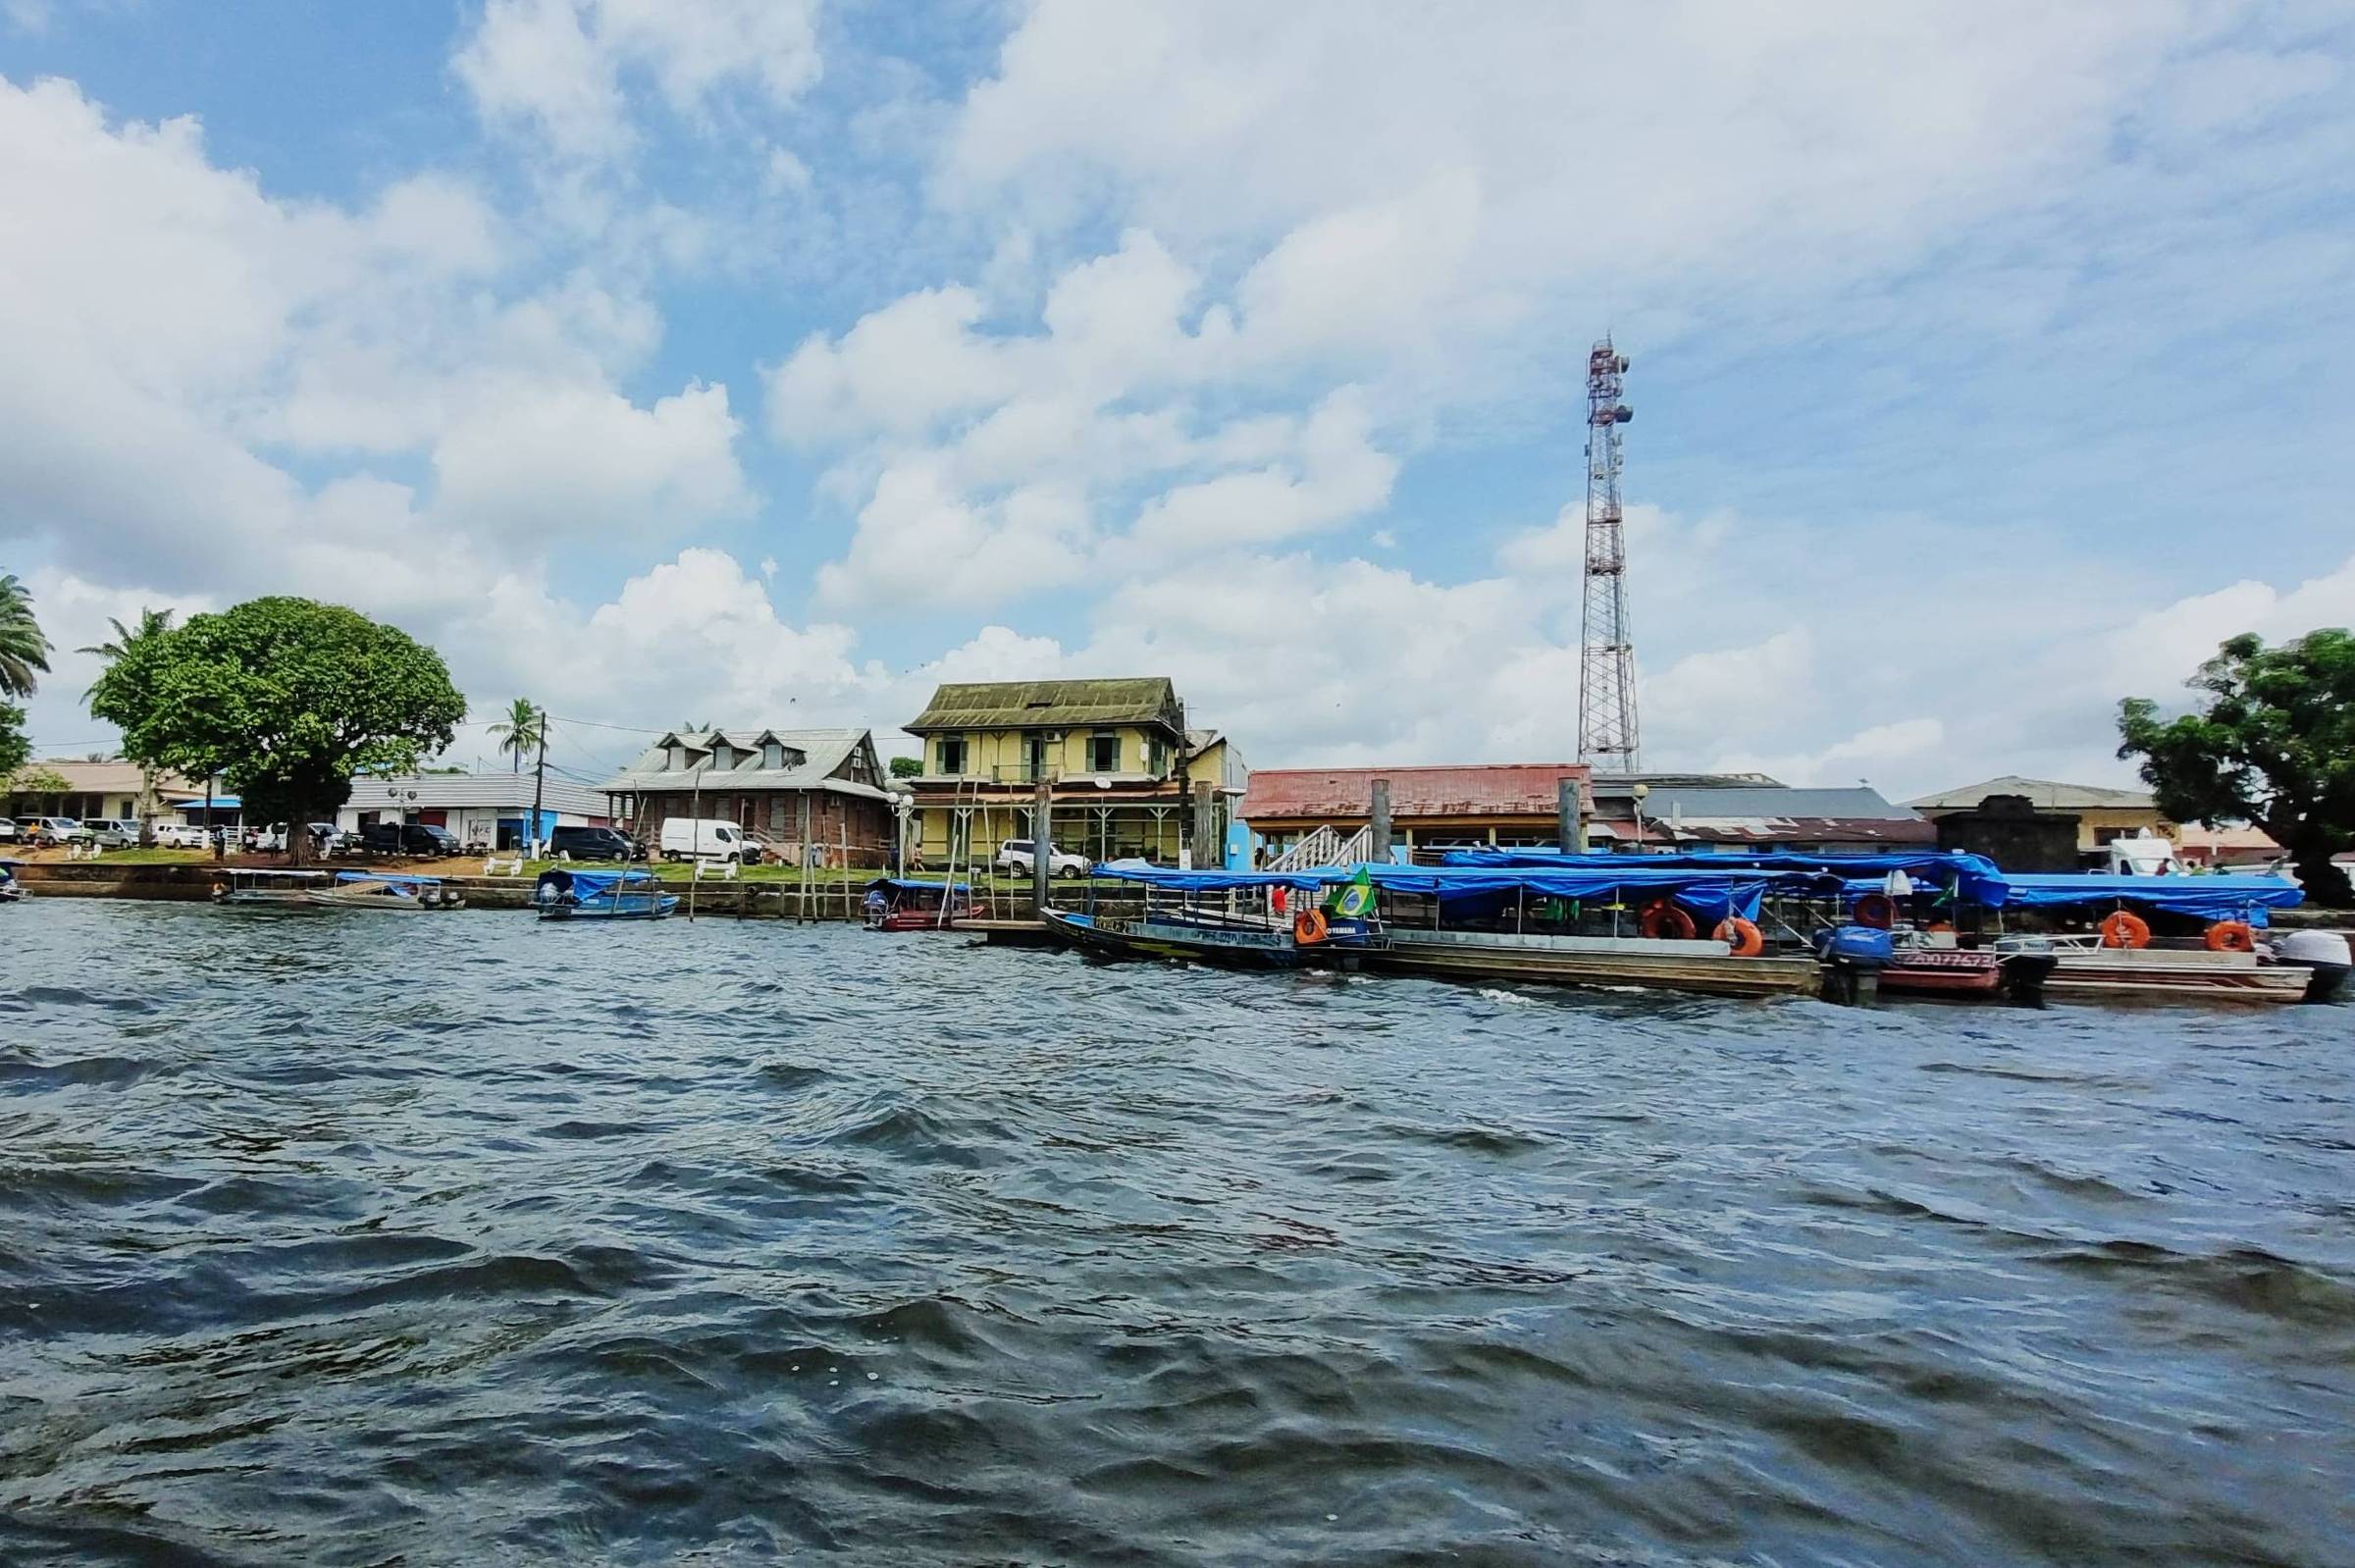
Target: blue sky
(767,363)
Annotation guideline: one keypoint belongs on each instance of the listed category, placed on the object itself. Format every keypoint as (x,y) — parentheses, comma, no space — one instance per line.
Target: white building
(487,808)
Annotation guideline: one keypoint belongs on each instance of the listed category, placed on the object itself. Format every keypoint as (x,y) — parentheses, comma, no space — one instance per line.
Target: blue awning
(902,884)
(1972,877)
(1308,879)
(2207,897)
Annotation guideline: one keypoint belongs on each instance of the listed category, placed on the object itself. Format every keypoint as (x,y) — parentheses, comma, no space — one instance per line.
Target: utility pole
(1042,844)
(539,787)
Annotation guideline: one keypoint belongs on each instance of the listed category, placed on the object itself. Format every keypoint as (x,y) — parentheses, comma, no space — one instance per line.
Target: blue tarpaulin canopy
(389,877)
(1711,895)
(597,885)
(902,884)
(1974,876)
(2207,897)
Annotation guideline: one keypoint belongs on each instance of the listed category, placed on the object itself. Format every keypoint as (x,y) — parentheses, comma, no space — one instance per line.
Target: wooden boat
(2215,953)
(1165,934)
(897,903)
(567,895)
(264,889)
(1699,965)
(2085,969)
(387,893)
(1927,967)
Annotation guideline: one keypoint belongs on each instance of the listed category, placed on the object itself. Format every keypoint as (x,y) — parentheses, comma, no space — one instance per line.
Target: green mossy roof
(1051,705)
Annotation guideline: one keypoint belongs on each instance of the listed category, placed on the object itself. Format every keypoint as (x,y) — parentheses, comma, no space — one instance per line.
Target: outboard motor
(1854,956)
(2323,955)
(554,887)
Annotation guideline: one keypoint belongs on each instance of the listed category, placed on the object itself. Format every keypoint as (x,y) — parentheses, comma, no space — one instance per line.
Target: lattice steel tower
(1606,669)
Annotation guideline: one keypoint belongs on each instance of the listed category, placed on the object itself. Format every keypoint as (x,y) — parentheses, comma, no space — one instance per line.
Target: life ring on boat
(1746,939)
(1876,909)
(2231,936)
(2125,928)
(1663,919)
(1309,927)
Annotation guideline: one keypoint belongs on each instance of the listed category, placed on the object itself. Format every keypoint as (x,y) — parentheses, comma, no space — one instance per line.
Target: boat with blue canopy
(11,890)
(563,894)
(1587,920)
(906,904)
(2198,937)
(1319,918)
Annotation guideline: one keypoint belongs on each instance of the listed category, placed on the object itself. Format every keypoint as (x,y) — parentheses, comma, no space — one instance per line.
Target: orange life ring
(2125,928)
(2231,936)
(1746,939)
(1662,917)
(1308,928)
(1876,909)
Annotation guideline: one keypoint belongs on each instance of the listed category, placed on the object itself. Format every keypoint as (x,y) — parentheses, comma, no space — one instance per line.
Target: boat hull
(639,906)
(1947,972)
(1705,968)
(2165,975)
(1155,939)
(915,920)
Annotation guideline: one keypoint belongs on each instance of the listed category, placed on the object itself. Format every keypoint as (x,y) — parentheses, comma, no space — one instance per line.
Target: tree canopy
(285,699)
(520,731)
(24,650)
(2271,742)
(906,766)
(15,749)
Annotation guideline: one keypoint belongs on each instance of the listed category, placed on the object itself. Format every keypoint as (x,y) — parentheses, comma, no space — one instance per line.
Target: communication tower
(1607,670)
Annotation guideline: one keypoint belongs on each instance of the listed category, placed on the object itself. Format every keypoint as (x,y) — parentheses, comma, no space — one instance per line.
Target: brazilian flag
(1352,900)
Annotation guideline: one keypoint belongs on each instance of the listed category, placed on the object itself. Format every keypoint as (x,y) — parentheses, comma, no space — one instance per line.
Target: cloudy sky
(768,360)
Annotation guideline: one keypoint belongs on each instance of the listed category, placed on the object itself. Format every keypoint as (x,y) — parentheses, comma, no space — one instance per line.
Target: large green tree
(285,699)
(24,650)
(2271,742)
(153,623)
(15,749)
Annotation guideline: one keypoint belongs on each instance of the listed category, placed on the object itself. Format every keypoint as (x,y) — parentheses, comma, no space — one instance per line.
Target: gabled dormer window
(772,754)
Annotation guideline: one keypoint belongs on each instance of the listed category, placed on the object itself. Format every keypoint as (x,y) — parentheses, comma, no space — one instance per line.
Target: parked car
(178,836)
(327,839)
(8,830)
(595,844)
(48,832)
(411,838)
(112,832)
(704,838)
(1016,856)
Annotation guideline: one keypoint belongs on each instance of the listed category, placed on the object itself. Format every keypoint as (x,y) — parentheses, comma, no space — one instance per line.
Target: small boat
(1589,920)
(1235,919)
(11,890)
(2208,946)
(566,895)
(259,889)
(1932,963)
(387,892)
(897,903)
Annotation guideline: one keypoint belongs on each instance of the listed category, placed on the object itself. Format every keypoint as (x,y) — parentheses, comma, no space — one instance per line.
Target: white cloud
(560,67)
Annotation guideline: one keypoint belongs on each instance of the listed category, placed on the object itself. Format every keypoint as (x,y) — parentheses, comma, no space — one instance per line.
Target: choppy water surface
(457,1239)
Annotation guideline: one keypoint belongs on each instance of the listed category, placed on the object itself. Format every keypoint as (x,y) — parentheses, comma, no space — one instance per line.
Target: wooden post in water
(801,907)
(1378,844)
(1042,844)
(1206,828)
(1565,817)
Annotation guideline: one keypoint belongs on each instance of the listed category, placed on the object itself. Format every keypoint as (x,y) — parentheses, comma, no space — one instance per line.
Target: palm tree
(521,731)
(153,624)
(23,647)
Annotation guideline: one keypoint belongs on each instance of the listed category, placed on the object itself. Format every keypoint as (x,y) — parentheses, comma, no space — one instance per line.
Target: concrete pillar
(1565,817)
(1378,847)
(1042,843)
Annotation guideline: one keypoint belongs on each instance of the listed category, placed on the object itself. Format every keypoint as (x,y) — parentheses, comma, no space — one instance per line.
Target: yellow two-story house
(1117,753)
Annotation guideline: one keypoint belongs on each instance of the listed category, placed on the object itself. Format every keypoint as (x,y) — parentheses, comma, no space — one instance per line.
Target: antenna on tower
(1606,669)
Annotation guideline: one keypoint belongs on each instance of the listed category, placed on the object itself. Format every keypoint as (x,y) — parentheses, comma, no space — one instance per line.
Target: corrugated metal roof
(822,752)
(507,792)
(1858,801)
(1051,705)
(1493,789)
(2045,794)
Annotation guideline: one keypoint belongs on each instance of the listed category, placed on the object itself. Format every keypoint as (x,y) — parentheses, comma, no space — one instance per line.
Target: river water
(459,1239)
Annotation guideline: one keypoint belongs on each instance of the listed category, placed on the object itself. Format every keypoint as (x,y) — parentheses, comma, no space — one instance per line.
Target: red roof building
(1500,803)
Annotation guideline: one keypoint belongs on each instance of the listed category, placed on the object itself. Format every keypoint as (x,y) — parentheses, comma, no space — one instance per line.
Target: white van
(689,838)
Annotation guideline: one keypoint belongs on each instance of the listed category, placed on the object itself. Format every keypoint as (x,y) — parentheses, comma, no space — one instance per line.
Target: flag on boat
(1352,900)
